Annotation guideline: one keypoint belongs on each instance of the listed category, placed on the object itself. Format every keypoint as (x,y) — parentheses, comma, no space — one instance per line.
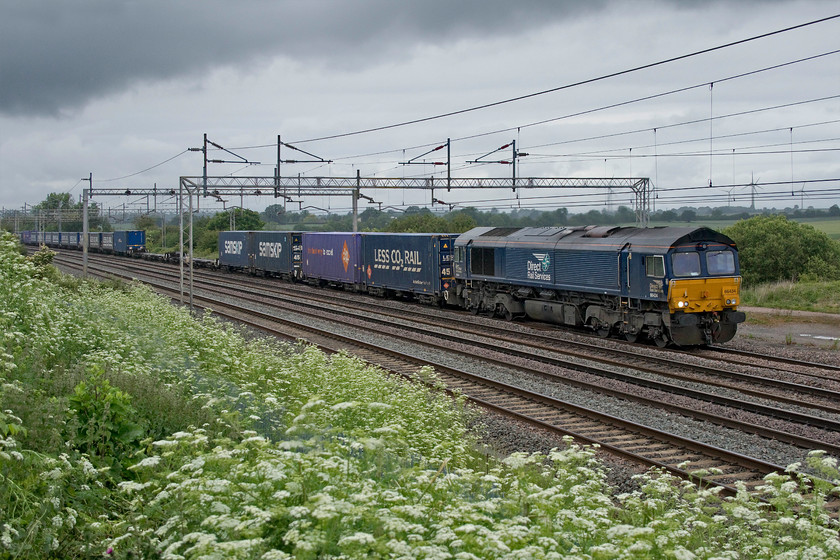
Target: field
(827,225)
(130,429)
(830,226)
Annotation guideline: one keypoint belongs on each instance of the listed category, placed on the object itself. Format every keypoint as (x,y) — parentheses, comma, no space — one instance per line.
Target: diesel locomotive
(675,285)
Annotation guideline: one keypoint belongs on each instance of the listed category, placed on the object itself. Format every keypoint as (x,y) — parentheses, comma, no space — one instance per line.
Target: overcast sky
(114,88)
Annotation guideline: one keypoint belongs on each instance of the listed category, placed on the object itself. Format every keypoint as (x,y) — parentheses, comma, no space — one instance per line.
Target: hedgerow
(131,429)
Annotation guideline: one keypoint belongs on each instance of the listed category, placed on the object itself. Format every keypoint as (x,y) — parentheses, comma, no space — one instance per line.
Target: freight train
(668,285)
(114,242)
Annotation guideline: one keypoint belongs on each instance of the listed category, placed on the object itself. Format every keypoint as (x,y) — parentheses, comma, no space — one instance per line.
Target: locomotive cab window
(686,264)
(655,266)
(720,262)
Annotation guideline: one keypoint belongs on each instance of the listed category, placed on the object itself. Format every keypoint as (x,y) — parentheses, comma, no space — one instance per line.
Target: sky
(123,89)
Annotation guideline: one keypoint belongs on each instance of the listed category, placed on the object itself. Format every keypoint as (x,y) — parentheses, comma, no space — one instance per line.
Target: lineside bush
(774,249)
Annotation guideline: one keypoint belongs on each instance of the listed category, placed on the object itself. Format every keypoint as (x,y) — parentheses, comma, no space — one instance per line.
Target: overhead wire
(571,85)
(629,102)
(144,170)
(610,106)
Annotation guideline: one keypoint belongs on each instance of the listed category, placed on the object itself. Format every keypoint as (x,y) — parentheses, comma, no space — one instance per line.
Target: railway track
(632,440)
(673,365)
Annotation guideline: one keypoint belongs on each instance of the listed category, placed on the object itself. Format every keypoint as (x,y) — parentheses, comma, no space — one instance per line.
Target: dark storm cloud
(57,55)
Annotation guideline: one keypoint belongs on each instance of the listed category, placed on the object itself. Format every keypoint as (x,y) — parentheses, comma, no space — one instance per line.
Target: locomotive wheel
(603,330)
(660,341)
(506,314)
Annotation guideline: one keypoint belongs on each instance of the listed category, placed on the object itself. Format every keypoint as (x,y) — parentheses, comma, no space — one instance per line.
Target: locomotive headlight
(681,304)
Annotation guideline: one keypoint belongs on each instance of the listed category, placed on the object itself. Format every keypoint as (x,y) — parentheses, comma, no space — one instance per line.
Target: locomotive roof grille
(500,232)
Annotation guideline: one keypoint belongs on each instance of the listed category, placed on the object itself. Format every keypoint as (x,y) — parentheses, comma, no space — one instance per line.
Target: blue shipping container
(333,257)
(136,240)
(411,262)
(276,251)
(130,241)
(234,248)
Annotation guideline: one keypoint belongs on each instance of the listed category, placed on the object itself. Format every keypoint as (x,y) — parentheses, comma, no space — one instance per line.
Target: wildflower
(357,538)
(147,462)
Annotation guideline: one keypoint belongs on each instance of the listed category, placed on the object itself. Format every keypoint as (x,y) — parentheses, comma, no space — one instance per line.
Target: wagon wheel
(474,310)
(631,336)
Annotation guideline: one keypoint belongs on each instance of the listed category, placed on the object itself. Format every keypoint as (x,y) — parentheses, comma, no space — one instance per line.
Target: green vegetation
(773,248)
(131,430)
(803,296)
(163,236)
(57,212)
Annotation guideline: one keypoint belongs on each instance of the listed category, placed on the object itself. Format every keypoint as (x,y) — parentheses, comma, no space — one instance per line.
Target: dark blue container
(234,248)
(333,257)
(417,263)
(135,241)
(278,252)
(131,241)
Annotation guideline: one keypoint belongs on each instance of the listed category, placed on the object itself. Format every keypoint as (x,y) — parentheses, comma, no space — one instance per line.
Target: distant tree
(420,222)
(374,220)
(688,215)
(668,216)
(273,213)
(55,201)
(242,219)
(559,217)
(624,215)
(145,222)
(461,222)
(70,221)
(773,248)
(834,211)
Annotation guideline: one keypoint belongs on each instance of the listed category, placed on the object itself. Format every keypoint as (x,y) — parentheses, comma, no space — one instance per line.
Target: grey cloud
(55,56)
